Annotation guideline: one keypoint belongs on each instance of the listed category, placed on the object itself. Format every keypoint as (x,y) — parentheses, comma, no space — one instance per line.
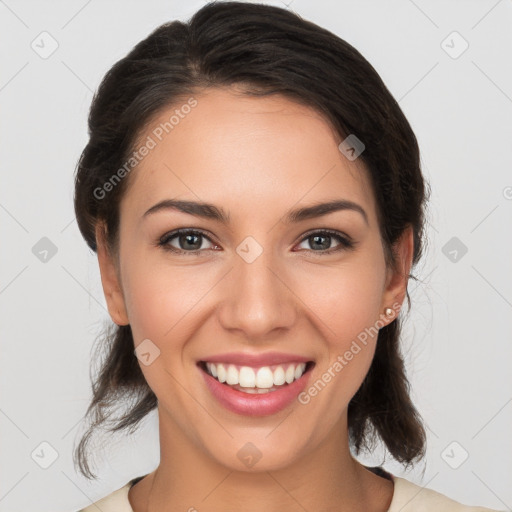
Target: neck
(324,478)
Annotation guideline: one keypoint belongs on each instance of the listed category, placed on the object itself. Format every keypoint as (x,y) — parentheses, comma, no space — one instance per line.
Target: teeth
(262,378)
(290,374)
(221,372)
(278,376)
(247,378)
(231,375)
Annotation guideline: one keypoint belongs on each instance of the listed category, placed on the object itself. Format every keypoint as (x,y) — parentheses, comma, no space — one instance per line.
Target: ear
(396,279)
(110,279)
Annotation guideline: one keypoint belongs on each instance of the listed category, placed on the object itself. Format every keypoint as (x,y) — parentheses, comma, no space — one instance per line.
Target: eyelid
(326,231)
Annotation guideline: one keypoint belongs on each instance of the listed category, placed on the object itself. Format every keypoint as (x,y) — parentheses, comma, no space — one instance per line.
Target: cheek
(163,299)
(347,301)
(350,336)
(161,305)
(345,307)
(158,300)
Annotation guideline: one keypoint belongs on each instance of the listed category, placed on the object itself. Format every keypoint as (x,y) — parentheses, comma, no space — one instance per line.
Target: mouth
(257,380)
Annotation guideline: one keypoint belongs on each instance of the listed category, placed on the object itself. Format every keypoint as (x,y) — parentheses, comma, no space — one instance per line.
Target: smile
(264,378)
(255,391)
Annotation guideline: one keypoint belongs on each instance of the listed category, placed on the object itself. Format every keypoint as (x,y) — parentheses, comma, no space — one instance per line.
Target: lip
(255,360)
(255,404)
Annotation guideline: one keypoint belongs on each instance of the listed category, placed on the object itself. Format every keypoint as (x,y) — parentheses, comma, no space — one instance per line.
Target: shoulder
(410,497)
(407,497)
(117,501)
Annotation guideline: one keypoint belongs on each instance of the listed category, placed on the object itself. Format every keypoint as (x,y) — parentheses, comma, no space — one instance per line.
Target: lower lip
(252,404)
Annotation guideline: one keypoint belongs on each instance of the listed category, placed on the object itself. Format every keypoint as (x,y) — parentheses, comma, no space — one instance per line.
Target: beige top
(407,497)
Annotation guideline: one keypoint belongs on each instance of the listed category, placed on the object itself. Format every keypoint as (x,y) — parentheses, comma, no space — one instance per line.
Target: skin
(256,158)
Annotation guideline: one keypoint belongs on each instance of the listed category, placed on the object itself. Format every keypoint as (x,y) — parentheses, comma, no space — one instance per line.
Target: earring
(388,311)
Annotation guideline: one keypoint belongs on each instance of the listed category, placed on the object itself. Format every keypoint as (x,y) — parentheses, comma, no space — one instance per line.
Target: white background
(458,337)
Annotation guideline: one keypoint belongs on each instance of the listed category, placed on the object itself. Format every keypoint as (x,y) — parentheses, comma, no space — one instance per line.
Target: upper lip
(255,360)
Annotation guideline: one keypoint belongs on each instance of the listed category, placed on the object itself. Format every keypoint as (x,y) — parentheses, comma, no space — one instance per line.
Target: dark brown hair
(265,50)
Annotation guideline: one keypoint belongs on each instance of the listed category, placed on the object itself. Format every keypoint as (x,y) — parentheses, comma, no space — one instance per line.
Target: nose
(258,301)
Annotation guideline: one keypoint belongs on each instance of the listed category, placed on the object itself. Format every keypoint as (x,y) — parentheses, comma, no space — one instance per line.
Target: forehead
(239,150)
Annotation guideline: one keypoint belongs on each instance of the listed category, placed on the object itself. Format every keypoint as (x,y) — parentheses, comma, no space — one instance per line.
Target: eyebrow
(210,211)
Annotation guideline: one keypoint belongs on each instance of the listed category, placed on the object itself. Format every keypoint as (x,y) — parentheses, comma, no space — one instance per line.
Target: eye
(189,241)
(322,240)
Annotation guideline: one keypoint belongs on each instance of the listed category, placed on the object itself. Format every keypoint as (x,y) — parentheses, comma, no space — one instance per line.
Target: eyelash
(345,243)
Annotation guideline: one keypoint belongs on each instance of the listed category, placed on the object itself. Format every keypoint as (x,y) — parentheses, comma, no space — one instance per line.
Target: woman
(254,195)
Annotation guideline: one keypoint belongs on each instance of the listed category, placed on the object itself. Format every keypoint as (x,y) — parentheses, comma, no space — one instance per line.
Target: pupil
(187,239)
(325,245)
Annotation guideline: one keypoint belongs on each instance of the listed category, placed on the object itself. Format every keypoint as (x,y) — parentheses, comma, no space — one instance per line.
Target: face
(255,283)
